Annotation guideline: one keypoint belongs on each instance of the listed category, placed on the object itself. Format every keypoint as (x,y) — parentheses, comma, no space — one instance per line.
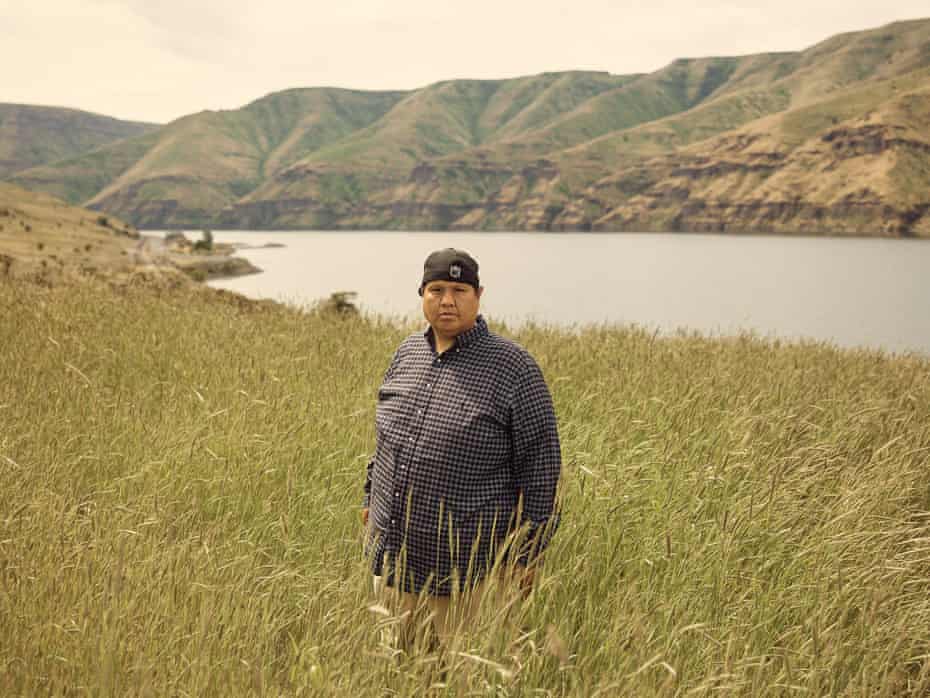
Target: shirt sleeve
(537,460)
(366,499)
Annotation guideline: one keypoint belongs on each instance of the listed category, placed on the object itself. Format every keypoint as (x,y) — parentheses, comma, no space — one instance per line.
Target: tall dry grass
(181,477)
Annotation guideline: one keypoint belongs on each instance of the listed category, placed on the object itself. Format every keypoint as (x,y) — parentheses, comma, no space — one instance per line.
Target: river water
(852,292)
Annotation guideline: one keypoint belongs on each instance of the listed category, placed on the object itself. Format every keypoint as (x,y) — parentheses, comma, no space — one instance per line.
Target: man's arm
(537,460)
(366,499)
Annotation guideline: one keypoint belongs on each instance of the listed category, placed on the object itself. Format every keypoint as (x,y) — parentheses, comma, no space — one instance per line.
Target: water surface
(854,292)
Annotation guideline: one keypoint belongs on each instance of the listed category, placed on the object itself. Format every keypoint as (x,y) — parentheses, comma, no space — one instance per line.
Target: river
(854,292)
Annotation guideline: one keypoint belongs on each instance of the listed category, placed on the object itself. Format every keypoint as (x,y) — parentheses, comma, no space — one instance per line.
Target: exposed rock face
(845,181)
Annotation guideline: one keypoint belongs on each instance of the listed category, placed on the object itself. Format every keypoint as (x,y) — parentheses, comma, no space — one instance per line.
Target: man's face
(450,307)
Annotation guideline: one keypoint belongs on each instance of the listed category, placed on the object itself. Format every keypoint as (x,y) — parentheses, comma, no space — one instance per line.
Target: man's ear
(479,291)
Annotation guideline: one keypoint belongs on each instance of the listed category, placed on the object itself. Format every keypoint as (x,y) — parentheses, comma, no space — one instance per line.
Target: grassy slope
(200,163)
(766,85)
(451,117)
(520,153)
(436,124)
(43,237)
(31,136)
(674,89)
(79,178)
(741,517)
(845,78)
(455,131)
(688,102)
(518,107)
(47,241)
(859,154)
(207,161)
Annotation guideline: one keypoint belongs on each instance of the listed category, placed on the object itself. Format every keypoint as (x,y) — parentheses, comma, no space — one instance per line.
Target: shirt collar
(479,330)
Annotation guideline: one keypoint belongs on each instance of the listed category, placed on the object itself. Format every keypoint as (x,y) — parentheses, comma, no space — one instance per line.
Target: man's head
(451,292)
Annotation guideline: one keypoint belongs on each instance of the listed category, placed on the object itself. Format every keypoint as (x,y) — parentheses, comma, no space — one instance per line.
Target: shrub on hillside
(204,244)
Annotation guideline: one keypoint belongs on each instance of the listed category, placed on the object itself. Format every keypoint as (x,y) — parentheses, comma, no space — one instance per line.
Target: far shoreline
(689,233)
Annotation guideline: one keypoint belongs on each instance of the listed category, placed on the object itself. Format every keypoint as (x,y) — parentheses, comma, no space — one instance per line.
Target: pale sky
(156,60)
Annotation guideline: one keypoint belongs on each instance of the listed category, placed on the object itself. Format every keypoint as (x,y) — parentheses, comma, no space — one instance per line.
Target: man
(467,456)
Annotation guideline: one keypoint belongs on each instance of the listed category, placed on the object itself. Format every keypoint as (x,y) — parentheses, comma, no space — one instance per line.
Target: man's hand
(364,516)
(525,576)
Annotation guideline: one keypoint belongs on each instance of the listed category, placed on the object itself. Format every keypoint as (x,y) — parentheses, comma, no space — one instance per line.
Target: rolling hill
(31,135)
(831,139)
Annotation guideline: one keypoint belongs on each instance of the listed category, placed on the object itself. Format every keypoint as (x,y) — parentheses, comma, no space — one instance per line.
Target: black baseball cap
(450,265)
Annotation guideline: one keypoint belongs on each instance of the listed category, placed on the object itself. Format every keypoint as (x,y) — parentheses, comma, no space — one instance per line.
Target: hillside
(192,168)
(41,236)
(830,166)
(31,135)
(825,140)
(49,241)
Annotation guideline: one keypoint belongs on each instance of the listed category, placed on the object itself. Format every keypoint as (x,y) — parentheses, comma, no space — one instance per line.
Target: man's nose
(447,298)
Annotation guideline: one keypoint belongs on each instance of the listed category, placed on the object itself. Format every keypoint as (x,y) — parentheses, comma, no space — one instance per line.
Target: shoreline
(43,239)
(490,232)
(220,262)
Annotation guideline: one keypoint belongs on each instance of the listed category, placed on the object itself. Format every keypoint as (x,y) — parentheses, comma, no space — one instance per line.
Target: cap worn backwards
(450,265)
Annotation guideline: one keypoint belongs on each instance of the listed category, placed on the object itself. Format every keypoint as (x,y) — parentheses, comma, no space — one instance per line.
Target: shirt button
(411,439)
(393,522)
(396,494)
(403,467)
(429,385)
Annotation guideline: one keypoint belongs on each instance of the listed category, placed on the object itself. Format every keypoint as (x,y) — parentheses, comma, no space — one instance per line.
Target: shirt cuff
(536,540)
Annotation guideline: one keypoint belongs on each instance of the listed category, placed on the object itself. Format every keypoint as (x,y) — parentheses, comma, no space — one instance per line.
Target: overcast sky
(156,60)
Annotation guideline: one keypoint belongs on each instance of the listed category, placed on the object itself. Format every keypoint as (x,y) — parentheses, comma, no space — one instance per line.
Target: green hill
(858,162)
(204,162)
(33,135)
(715,144)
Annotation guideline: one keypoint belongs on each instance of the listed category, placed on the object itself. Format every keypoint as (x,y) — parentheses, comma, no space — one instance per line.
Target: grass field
(182,475)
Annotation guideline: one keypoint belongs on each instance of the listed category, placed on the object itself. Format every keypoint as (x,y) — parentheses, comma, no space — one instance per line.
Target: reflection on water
(855,292)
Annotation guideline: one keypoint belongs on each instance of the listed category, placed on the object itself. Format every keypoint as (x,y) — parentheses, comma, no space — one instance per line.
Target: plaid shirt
(460,437)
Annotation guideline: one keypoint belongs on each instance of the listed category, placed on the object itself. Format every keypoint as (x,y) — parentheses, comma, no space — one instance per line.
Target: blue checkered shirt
(467,453)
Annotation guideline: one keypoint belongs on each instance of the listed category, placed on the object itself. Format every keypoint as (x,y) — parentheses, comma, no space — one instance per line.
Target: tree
(205,243)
